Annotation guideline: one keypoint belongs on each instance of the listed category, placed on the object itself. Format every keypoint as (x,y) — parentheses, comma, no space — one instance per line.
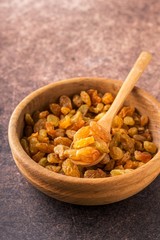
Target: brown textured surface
(44,41)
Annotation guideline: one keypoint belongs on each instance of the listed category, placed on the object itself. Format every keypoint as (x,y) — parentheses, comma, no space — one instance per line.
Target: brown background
(48,40)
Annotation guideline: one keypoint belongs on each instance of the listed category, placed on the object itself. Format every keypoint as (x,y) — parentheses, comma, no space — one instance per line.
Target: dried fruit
(51,118)
(53,168)
(82,133)
(37,157)
(127,143)
(62,140)
(85,98)
(131,164)
(43,162)
(43,114)
(98,173)
(139,137)
(101,145)
(77,121)
(32,144)
(50,129)
(28,119)
(52,158)
(97,109)
(150,147)
(87,154)
(65,122)
(126,111)
(55,109)
(40,124)
(132,131)
(60,151)
(65,110)
(25,145)
(117,122)
(142,156)
(72,122)
(70,169)
(116,172)
(110,165)
(65,101)
(45,147)
(129,121)
(144,120)
(96,129)
(83,109)
(42,136)
(116,153)
(70,133)
(95,98)
(84,142)
(77,100)
(99,116)
(107,98)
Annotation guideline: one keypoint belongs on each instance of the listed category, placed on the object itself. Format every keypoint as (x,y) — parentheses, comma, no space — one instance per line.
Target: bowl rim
(29,163)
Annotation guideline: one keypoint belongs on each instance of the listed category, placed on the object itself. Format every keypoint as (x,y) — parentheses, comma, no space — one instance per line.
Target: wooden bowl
(81,190)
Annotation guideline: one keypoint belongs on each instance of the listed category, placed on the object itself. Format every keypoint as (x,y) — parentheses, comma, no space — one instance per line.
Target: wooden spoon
(106,121)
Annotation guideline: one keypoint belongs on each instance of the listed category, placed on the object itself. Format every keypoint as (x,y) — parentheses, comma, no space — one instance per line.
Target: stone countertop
(46,41)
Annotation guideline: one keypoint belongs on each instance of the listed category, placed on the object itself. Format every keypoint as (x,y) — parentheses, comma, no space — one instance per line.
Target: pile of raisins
(48,136)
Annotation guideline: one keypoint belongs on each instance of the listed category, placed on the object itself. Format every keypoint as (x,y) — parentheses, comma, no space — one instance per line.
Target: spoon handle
(133,76)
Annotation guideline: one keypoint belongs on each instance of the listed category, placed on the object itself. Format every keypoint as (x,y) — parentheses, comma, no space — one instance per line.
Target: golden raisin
(43,114)
(37,157)
(85,98)
(60,151)
(116,172)
(107,98)
(70,169)
(29,120)
(98,173)
(129,121)
(51,118)
(62,140)
(52,158)
(83,109)
(150,147)
(87,154)
(126,111)
(84,142)
(95,98)
(97,129)
(45,147)
(116,153)
(65,101)
(142,156)
(53,168)
(117,122)
(40,124)
(55,109)
(77,100)
(65,122)
(110,165)
(144,120)
(65,110)
(43,162)
(25,145)
(132,131)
